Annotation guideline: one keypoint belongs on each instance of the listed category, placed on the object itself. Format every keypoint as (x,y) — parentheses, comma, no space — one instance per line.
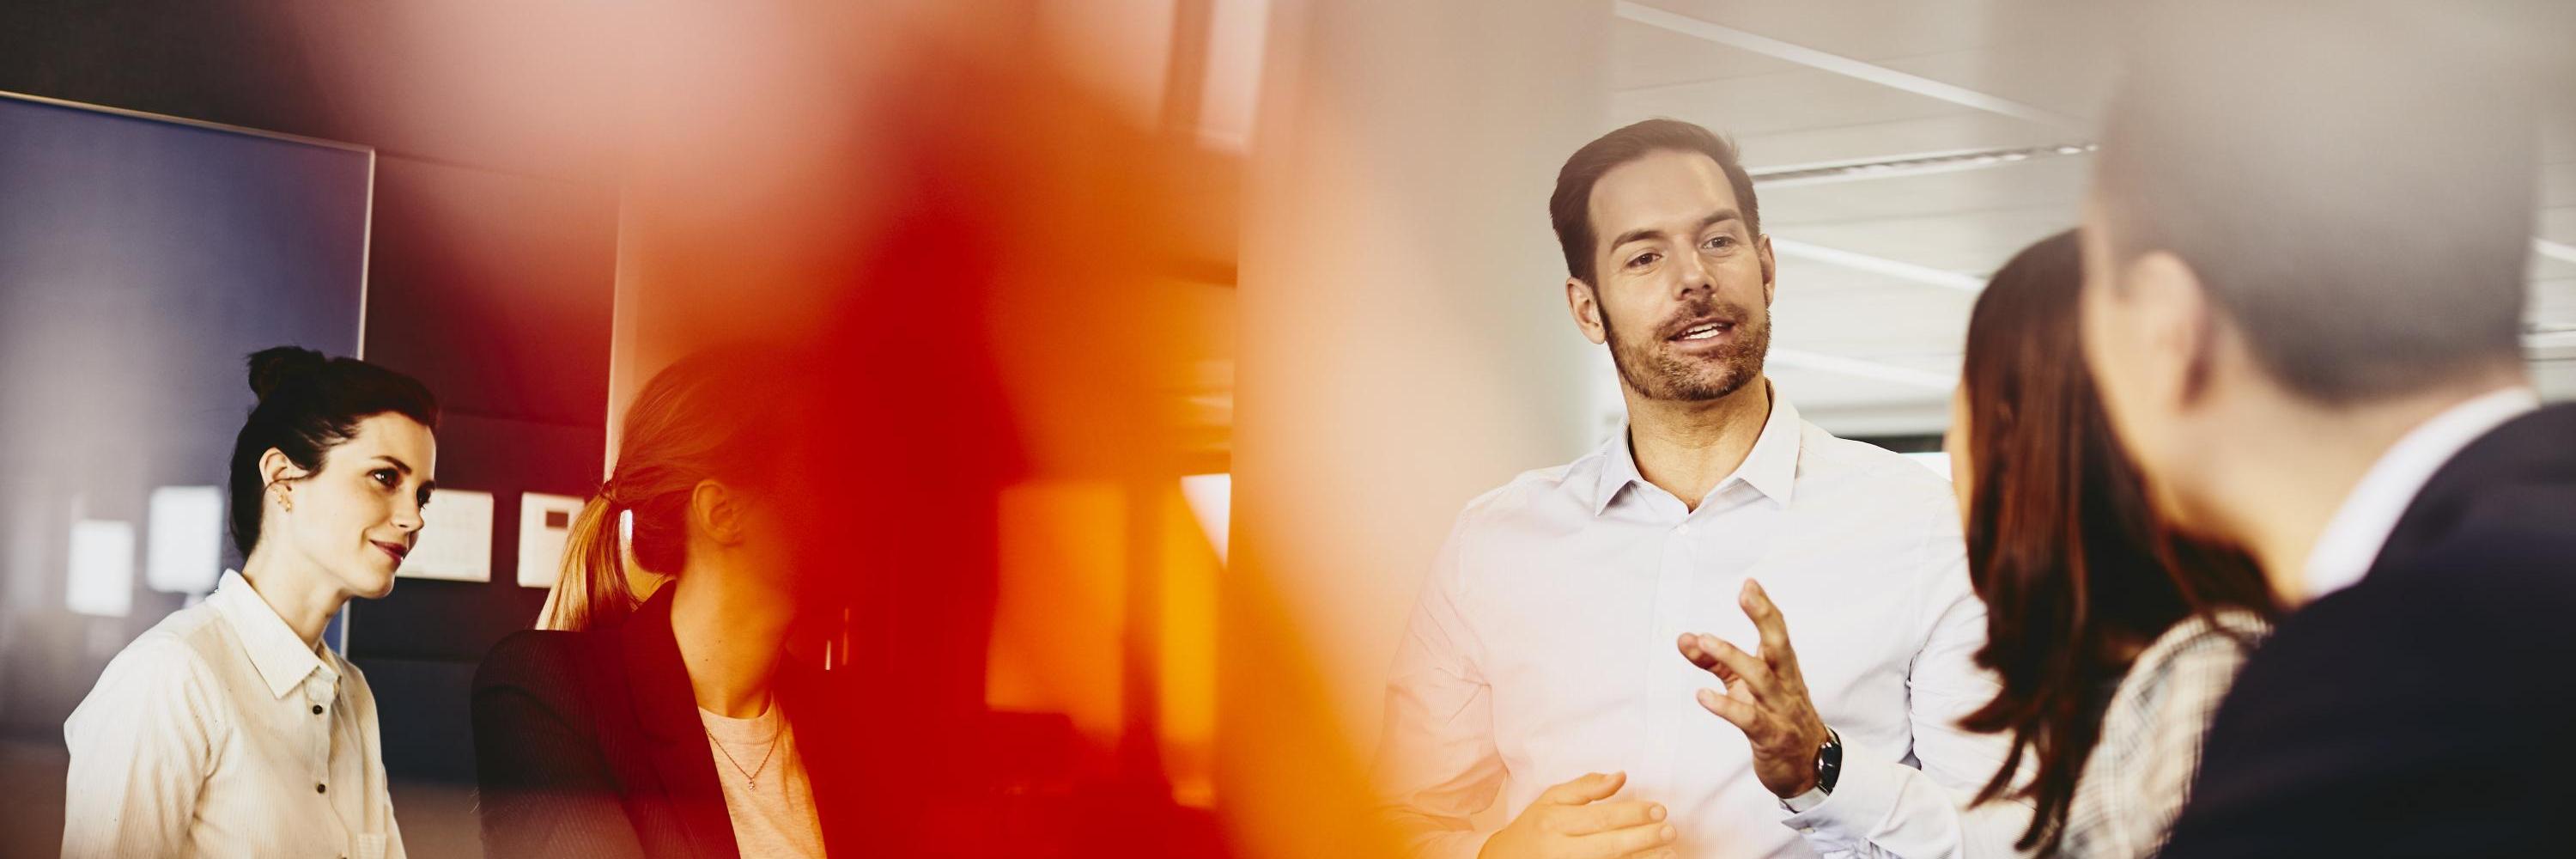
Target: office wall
(494,289)
(492,269)
(140,261)
(1405,346)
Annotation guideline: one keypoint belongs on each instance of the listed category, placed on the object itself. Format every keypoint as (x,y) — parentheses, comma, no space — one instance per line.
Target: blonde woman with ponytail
(582,599)
(655,710)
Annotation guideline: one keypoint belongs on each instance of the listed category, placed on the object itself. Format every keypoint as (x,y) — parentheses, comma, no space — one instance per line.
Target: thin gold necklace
(751,775)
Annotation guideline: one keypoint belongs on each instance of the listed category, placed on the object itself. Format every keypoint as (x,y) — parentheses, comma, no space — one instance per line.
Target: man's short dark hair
(1570,208)
(2353,188)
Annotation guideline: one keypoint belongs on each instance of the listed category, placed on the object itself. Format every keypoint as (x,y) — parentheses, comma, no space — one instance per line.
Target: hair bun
(274,367)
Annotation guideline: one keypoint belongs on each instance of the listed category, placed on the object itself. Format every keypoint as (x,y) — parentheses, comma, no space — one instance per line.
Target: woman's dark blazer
(589,744)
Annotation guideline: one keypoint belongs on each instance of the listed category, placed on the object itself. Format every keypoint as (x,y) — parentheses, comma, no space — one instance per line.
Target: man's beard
(1652,369)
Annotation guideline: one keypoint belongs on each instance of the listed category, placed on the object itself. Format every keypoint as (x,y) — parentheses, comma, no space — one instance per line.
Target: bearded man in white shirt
(1540,669)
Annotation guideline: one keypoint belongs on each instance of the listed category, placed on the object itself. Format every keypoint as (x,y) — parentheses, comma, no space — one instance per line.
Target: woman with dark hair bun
(228,729)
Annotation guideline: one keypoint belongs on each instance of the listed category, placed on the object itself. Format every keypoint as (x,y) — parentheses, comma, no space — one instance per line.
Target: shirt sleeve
(1883,807)
(2193,681)
(1437,763)
(141,745)
(544,785)
(393,834)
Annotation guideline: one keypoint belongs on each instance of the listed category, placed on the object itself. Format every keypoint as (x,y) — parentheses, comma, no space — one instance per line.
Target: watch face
(1829,762)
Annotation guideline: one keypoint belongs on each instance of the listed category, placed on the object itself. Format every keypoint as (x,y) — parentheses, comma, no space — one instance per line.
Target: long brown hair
(723,414)
(2075,569)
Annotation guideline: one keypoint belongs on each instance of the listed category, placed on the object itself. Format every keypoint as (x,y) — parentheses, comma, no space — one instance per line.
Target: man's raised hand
(1765,696)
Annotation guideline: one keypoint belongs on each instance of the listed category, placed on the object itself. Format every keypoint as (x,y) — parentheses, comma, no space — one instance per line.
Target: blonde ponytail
(712,415)
(591,591)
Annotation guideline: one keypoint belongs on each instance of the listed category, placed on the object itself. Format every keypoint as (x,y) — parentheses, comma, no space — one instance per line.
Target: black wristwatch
(1829,762)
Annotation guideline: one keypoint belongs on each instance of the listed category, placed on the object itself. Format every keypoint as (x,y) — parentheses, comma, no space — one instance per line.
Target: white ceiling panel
(1791,100)
(1643,57)
(1873,30)
(1863,316)
(1791,107)
(2554,301)
(2053,182)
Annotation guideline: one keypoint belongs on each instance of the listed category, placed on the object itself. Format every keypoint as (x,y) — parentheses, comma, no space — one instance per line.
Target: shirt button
(1682,529)
(317,787)
(317,709)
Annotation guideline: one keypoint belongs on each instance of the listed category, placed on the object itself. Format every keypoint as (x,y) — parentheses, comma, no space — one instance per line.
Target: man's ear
(1586,309)
(2180,323)
(717,510)
(1770,268)
(278,473)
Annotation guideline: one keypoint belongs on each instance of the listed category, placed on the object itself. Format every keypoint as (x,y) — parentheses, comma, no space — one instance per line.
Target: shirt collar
(280,655)
(2352,539)
(1771,467)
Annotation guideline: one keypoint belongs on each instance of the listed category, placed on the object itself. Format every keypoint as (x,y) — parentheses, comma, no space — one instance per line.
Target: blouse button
(317,787)
(317,709)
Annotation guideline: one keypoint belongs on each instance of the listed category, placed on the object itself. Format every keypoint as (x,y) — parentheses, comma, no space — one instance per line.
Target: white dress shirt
(1543,648)
(220,733)
(2351,540)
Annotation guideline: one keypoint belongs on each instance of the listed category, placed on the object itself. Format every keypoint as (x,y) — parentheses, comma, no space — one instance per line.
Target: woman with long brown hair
(2113,638)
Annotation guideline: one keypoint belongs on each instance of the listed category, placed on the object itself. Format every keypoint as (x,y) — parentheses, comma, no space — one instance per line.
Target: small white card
(186,539)
(102,568)
(545,525)
(455,538)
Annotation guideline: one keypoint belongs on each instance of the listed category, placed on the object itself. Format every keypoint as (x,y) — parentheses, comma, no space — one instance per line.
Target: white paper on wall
(102,568)
(1211,500)
(545,524)
(184,542)
(455,538)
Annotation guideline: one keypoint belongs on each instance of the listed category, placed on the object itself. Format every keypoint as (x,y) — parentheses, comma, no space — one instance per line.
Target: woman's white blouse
(220,733)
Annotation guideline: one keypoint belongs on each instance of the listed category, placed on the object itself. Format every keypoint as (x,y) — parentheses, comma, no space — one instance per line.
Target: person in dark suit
(591,744)
(679,722)
(2305,251)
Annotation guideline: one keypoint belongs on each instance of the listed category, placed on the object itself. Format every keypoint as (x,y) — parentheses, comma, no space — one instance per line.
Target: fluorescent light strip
(1863,369)
(1910,165)
(1898,269)
(1841,65)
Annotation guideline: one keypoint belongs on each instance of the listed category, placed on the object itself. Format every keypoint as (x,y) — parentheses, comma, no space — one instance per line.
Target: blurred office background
(1363,305)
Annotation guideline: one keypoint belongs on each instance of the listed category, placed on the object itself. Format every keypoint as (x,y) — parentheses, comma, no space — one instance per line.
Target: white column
(1404,346)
